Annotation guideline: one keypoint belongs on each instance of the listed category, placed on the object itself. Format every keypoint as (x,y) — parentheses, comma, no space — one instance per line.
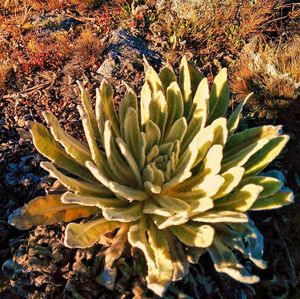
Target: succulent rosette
(168,172)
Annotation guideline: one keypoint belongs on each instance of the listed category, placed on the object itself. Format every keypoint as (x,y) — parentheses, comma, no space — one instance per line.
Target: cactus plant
(169,173)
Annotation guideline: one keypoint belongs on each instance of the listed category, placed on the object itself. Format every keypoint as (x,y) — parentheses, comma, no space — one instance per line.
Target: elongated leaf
(106,93)
(97,156)
(266,155)
(174,104)
(135,140)
(234,119)
(171,203)
(119,167)
(220,216)
(219,97)
(241,200)
(179,260)
(130,213)
(160,276)
(247,137)
(86,102)
(167,76)
(199,109)
(194,234)
(153,81)
(48,210)
(158,111)
(137,238)
(129,101)
(270,185)
(93,201)
(83,235)
(185,85)
(75,185)
(117,246)
(226,262)
(48,147)
(153,135)
(129,193)
(241,157)
(232,178)
(274,201)
(196,77)
(78,150)
(130,160)
(164,222)
(177,131)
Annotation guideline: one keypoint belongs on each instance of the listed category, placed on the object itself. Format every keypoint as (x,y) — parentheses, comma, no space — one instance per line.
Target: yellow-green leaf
(274,201)
(48,210)
(194,234)
(83,235)
(219,97)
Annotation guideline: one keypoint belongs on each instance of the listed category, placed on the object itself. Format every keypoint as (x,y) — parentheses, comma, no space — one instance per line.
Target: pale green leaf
(75,185)
(185,85)
(219,97)
(194,234)
(266,155)
(241,200)
(48,147)
(160,276)
(167,76)
(270,185)
(274,201)
(93,201)
(220,216)
(232,178)
(114,251)
(234,119)
(78,150)
(119,167)
(106,94)
(174,104)
(86,102)
(128,213)
(243,139)
(83,235)
(226,262)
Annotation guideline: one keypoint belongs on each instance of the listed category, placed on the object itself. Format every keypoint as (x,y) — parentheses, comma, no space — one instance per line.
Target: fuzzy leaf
(274,201)
(241,200)
(48,210)
(266,155)
(78,150)
(232,178)
(174,104)
(75,185)
(220,216)
(167,76)
(194,234)
(86,102)
(219,97)
(117,246)
(48,147)
(83,235)
(226,262)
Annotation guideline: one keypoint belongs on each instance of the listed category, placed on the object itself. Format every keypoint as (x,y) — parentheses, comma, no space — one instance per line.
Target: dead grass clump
(220,31)
(5,70)
(87,49)
(271,72)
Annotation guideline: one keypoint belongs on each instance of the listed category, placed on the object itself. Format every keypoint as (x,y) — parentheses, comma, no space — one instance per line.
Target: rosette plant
(167,172)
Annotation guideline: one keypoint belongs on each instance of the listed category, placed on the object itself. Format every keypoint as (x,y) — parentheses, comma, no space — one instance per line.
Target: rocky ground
(44,50)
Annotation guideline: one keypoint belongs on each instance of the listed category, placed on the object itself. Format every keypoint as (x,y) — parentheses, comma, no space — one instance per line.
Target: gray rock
(126,49)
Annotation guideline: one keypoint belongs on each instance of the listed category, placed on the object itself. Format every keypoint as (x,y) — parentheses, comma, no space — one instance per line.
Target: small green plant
(169,174)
